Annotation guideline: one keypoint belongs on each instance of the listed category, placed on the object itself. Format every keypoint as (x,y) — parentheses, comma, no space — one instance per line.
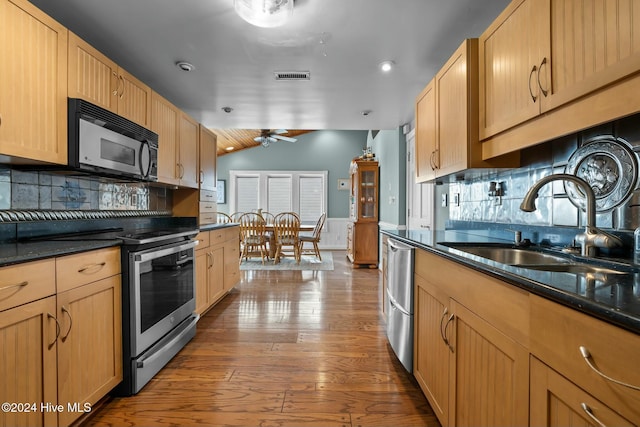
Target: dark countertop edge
(209,227)
(605,313)
(62,248)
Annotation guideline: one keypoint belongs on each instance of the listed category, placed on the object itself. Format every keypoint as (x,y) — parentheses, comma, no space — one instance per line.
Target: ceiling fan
(267,136)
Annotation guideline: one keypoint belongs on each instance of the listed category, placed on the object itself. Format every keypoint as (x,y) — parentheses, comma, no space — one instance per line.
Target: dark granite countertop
(614,298)
(47,247)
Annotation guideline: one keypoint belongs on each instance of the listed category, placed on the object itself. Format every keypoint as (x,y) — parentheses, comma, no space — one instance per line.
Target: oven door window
(166,284)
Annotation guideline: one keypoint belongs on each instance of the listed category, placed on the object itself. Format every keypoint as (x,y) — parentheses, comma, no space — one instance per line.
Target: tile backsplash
(470,199)
(38,190)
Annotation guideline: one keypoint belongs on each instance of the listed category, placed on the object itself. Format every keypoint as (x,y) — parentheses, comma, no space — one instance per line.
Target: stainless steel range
(158,292)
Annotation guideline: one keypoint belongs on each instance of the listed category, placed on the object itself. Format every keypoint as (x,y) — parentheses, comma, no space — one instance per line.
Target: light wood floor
(284,348)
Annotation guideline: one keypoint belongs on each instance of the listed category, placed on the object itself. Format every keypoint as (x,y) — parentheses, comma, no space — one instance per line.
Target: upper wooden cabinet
(207,160)
(447,120)
(177,143)
(33,86)
(99,80)
(540,55)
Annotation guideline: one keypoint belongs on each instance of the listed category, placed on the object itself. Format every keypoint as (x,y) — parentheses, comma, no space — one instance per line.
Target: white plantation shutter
(303,192)
(247,193)
(311,200)
(279,195)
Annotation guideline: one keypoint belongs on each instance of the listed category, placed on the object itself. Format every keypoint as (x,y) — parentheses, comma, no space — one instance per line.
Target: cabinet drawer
(75,270)
(23,283)
(558,333)
(205,218)
(208,207)
(208,196)
(203,240)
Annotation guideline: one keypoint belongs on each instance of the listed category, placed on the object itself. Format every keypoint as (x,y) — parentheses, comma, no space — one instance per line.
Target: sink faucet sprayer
(592,237)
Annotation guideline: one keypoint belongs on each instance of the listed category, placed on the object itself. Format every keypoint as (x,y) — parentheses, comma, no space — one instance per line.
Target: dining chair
(235,217)
(287,229)
(222,218)
(314,237)
(268,217)
(252,236)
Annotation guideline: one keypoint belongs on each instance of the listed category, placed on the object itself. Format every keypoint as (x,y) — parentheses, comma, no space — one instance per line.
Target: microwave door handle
(145,150)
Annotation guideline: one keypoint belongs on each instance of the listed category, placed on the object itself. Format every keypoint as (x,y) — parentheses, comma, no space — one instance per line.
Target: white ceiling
(340,42)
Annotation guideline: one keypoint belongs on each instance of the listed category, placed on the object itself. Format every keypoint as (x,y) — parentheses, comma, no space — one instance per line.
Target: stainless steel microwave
(105,143)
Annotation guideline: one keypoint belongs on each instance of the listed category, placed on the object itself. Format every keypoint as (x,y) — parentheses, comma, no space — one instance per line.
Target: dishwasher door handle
(395,305)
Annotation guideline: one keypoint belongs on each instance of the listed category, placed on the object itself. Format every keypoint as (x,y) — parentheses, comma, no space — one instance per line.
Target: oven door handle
(158,253)
(150,359)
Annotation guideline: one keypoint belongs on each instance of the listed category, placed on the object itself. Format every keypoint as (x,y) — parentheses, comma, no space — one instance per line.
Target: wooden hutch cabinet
(362,229)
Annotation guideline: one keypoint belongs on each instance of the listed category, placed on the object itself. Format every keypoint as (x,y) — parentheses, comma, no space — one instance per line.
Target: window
(279,191)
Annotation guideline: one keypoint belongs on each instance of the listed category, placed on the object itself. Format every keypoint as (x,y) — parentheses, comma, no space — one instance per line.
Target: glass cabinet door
(368,190)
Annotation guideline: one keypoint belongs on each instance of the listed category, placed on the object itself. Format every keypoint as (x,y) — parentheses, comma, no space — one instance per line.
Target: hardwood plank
(281,352)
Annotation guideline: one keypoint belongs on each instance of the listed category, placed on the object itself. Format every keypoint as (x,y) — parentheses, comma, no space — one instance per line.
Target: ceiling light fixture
(227,109)
(229,148)
(185,66)
(366,112)
(387,66)
(264,13)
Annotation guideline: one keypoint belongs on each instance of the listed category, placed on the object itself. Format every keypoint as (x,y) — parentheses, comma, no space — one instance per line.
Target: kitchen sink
(572,268)
(533,259)
(510,256)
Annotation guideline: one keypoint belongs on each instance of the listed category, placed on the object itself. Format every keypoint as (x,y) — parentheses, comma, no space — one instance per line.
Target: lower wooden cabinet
(217,267)
(487,353)
(472,371)
(60,352)
(362,243)
(89,346)
(557,402)
(28,363)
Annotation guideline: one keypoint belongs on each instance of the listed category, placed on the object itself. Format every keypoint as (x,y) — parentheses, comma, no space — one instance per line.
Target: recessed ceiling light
(366,112)
(386,66)
(227,109)
(185,66)
(229,148)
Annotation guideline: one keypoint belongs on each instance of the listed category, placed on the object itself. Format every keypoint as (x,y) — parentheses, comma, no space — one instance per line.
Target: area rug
(307,262)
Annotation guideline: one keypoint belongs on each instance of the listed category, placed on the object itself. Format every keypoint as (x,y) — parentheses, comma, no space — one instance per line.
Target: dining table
(271,236)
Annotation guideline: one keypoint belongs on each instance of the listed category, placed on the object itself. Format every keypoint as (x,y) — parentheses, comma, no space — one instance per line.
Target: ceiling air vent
(292,75)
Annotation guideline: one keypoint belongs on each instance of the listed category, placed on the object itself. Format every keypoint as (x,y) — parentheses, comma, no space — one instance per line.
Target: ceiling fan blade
(284,138)
(280,131)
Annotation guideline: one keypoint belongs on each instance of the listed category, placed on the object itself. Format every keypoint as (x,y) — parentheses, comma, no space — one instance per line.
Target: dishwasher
(399,305)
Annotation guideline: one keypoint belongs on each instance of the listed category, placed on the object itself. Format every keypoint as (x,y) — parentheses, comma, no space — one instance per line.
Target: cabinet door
(202,297)
(134,99)
(457,109)
(207,160)
(90,344)
(231,260)
(28,362)
(431,351)
(368,193)
(426,160)
(594,44)
(510,56)
(215,274)
(33,87)
(557,402)
(164,122)
(490,384)
(92,76)
(188,151)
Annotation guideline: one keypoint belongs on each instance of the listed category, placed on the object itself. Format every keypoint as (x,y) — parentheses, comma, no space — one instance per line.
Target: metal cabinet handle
(180,170)
(97,266)
(442,334)
(209,259)
(64,310)
(0,119)
(115,91)
(533,70)
(587,410)
(544,91)
(122,80)
(15,285)
(587,358)
(446,326)
(51,316)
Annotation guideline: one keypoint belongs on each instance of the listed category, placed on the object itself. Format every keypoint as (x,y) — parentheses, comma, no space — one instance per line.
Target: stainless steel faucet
(592,237)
